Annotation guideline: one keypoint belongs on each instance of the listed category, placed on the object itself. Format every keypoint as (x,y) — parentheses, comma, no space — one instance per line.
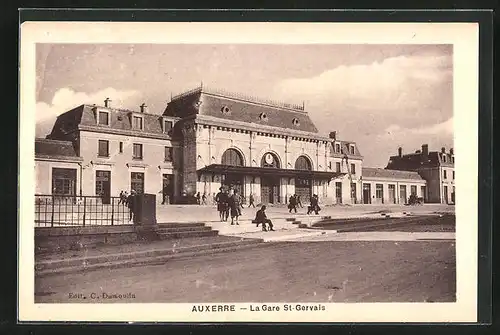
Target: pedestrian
(165,195)
(252,201)
(292,203)
(198,198)
(131,205)
(214,202)
(235,206)
(221,200)
(299,202)
(204,198)
(314,207)
(261,218)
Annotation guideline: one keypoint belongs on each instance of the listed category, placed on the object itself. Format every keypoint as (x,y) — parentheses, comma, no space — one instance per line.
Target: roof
(344,146)
(119,120)
(368,173)
(259,171)
(45,147)
(415,161)
(237,107)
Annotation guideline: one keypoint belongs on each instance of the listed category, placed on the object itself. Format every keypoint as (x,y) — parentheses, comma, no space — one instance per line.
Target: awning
(261,171)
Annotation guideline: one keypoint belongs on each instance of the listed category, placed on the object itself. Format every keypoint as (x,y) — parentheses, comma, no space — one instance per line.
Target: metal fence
(63,211)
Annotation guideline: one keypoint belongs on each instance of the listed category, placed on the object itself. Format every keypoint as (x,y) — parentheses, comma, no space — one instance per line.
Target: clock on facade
(269,159)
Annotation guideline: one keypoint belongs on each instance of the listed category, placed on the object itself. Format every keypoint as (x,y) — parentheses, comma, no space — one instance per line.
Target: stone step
(180,224)
(144,258)
(296,222)
(302,225)
(185,234)
(163,230)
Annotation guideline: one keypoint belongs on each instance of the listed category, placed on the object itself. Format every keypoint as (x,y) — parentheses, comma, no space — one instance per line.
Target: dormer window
(263,116)
(137,122)
(337,147)
(225,110)
(351,149)
(444,158)
(167,126)
(295,122)
(103,118)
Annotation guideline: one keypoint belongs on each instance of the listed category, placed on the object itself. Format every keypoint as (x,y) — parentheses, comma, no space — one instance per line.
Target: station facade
(204,139)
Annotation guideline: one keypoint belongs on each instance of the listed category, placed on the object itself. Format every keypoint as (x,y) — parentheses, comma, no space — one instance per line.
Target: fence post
(52,214)
(84,209)
(112,210)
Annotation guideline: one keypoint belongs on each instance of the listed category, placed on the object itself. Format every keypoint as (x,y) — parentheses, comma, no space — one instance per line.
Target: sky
(380,96)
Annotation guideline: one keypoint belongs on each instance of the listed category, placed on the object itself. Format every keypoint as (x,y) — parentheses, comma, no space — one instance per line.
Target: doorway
(303,189)
(367,193)
(445,194)
(103,186)
(270,190)
(167,189)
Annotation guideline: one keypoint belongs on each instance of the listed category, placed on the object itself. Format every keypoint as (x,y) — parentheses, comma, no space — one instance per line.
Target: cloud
(65,99)
(383,82)
(399,101)
(378,149)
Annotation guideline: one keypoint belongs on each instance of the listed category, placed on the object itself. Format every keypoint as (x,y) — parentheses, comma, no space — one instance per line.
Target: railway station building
(206,139)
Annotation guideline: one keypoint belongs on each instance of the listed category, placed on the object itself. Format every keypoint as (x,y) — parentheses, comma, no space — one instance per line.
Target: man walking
(235,206)
(252,201)
(261,218)
(221,200)
(131,205)
(292,203)
(204,199)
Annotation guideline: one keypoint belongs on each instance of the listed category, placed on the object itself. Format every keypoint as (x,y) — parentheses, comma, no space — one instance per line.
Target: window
(330,165)
(103,150)
(168,154)
(137,122)
(121,147)
(167,126)
(338,191)
(453,160)
(337,147)
(337,166)
(232,157)
(137,152)
(63,181)
(353,168)
(379,191)
(413,190)
(444,174)
(351,149)
(453,174)
(102,183)
(353,192)
(104,118)
(444,158)
(295,122)
(137,182)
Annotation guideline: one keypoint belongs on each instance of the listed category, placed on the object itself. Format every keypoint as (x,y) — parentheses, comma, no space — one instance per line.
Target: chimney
(443,150)
(107,102)
(425,150)
(333,135)
(144,108)
(451,151)
(400,152)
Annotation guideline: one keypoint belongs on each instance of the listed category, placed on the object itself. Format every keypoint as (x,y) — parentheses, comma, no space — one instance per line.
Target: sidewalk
(197,213)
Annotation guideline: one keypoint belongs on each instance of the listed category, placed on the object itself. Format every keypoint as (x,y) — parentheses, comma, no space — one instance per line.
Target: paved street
(323,271)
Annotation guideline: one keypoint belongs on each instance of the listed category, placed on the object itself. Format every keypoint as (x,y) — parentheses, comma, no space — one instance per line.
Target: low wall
(75,238)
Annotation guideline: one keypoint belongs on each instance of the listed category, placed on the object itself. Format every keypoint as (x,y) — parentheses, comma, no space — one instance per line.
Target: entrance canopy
(261,171)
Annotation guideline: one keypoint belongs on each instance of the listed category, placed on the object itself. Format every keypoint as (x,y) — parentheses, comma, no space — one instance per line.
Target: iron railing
(63,211)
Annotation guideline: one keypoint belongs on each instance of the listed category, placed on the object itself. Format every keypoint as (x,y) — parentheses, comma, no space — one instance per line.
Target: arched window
(270,160)
(232,157)
(303,163)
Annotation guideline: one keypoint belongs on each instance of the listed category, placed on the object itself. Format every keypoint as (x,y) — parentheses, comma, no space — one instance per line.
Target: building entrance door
(103,186)
(367,193)
(303,189)
(445,194)
(270,190)
(234,182)
(168,189)
(392,193)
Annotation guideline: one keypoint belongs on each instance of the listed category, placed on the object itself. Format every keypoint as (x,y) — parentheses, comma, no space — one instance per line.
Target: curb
(149,257)
(294,236)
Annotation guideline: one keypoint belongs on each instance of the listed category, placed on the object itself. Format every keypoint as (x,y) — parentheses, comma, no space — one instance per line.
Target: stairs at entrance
(182,230)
